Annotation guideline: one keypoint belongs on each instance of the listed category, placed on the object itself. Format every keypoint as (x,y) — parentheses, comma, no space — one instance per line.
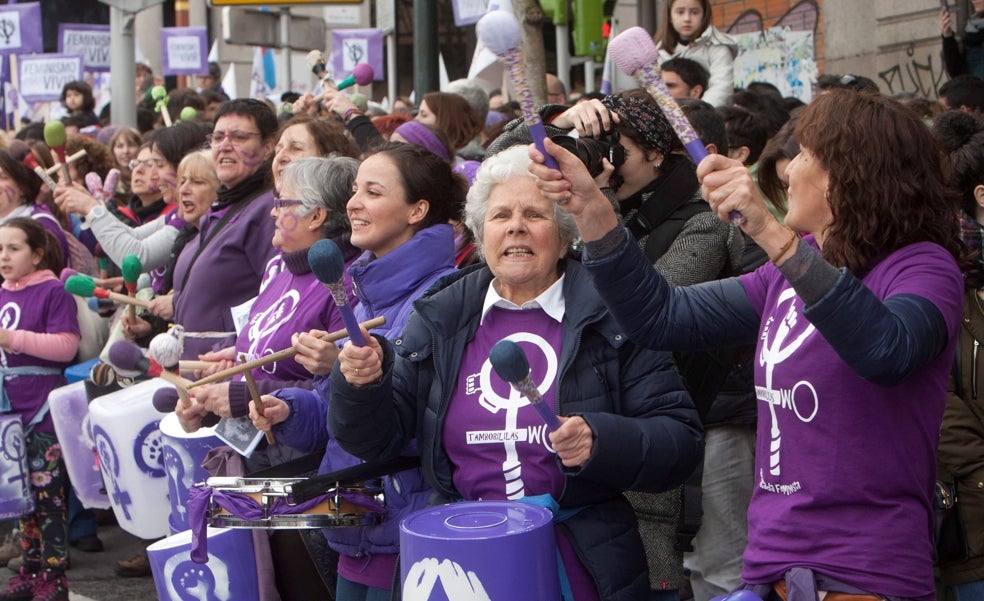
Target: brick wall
(771,11)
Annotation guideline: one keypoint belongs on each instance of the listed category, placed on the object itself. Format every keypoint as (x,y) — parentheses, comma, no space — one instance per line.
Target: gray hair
(498,169)
(324,182)
(474,93)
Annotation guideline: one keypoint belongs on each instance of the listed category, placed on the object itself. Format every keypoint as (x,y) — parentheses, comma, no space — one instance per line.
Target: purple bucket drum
(124,429)
(229,575)
(479,551)
(69,407)
(16,499)
(183,456)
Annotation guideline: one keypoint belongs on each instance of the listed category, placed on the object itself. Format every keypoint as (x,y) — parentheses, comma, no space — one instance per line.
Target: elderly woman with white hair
(627,421)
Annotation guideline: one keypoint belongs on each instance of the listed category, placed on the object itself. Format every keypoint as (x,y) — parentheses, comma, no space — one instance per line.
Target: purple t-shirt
(287,304)
(43,307)
(844,468)
(495,439)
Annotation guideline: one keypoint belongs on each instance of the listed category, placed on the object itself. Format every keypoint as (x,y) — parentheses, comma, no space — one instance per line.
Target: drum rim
(295,521)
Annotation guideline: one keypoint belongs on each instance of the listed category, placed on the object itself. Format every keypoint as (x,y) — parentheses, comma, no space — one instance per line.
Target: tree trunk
(532,19)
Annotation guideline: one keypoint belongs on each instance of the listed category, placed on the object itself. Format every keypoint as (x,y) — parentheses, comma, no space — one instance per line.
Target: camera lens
(588,150)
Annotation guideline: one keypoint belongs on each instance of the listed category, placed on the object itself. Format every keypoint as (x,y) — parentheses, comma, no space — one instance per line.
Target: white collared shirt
(550,300)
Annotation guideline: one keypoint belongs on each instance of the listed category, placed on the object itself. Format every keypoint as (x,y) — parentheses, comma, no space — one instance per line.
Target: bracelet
(348,114)
(785,247)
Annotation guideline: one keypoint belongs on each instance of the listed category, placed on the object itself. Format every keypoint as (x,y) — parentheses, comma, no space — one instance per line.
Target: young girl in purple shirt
(39,336)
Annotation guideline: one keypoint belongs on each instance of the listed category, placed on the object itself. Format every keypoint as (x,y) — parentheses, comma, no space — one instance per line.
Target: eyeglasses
(236,137)
(283,203)
(146,164)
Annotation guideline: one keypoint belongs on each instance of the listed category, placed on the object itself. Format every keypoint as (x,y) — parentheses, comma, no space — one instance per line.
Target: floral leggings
(45,531)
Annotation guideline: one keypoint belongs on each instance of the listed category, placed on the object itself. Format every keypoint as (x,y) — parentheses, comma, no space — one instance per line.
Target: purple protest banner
(349,47)
(184,50)
(42,76)
(91,41)
(20,28)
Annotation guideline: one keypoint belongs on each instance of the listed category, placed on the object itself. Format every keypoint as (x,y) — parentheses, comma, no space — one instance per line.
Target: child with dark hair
(78,100)
(39,341)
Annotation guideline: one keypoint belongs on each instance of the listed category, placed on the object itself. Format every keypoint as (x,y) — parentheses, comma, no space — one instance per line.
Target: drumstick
(636,55)
(131,269)
(327,263)
(56,137)
(254,394)
(81,285)
(509,361)
(124,354)
(68,161)
(286,353)
(191,365)
(500,32)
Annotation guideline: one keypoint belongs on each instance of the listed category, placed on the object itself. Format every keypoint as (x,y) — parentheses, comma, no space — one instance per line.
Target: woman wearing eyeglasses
(155,185)
(223,266)
(402,199)
(310,206)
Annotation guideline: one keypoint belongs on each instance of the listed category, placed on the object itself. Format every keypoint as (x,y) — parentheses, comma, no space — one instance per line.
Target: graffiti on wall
(783,55)
(919,75)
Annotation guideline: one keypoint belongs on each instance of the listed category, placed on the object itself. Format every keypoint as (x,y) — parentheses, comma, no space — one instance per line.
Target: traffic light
(556,10)
(589,21)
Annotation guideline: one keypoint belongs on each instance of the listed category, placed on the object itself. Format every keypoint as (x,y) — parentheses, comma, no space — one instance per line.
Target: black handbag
(950,536)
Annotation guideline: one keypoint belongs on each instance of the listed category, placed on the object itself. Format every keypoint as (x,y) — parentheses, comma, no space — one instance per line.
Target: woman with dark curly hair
(855,326)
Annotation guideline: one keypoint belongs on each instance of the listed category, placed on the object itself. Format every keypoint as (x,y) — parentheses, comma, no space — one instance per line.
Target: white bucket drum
(229,575)
(69,408)
(16,498)
(124,428)
(183,456)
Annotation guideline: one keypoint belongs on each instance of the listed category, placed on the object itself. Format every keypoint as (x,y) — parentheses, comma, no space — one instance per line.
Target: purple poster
(184,50)
(349,47)
(42,76)
(20,28)
(91,41)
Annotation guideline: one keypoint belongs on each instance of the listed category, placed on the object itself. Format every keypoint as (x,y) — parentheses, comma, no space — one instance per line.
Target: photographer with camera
(655,192)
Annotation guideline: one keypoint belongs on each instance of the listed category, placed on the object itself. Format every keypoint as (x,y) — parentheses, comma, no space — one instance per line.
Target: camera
(591,151)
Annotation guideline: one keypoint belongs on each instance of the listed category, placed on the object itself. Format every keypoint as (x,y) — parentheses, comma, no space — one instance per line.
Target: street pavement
(92,576)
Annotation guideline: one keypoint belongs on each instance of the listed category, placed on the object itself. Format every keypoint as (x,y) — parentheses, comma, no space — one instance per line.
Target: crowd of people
(762,364)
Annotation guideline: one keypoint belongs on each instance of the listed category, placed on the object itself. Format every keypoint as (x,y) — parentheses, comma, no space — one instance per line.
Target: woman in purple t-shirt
(855,327)
(627,423)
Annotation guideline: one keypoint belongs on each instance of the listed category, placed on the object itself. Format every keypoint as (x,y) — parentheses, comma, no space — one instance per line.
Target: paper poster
(778,56)
(350,47)
(42,76)
(20,28)
(91,41)
(184,50)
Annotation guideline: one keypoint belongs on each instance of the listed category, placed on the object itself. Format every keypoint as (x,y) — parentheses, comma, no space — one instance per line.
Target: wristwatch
(95,213)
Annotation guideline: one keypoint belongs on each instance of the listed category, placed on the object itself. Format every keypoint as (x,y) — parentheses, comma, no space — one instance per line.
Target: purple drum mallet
(328,265)
(509,361)
(636,55)
(500,32)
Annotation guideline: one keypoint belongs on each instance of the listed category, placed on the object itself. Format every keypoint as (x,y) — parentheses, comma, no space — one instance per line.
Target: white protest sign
(42,76)
(91,41)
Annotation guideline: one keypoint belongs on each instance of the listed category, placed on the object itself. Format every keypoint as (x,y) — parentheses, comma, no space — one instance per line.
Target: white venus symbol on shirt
(493,402)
